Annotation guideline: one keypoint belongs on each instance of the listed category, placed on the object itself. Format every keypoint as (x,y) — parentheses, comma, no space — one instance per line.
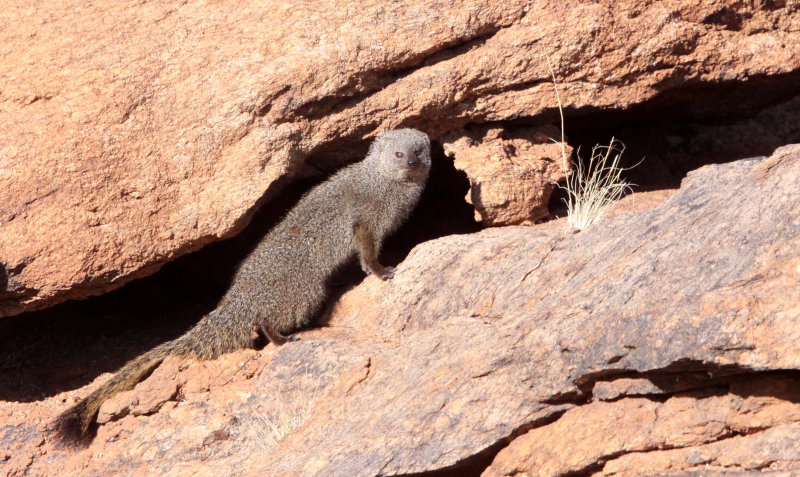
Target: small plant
(269,430)
(593,187)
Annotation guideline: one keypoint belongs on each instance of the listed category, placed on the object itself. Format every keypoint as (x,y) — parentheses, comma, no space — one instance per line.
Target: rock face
(511,174)
(134,133)
(659,340)
(742,428)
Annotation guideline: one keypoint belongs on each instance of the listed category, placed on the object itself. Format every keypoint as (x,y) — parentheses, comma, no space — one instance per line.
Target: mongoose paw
(388,272)
(292,338)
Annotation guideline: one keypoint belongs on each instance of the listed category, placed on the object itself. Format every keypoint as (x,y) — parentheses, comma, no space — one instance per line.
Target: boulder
(512,173)
(661,339)
(135,133)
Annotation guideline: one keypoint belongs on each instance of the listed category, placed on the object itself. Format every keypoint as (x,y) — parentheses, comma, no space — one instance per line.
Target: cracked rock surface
(133,133)
(511,173)
(661,341)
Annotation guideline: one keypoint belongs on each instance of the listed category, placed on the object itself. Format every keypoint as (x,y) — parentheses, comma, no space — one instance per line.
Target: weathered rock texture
(660,339)
(738,425)
(511,173)
(133,133)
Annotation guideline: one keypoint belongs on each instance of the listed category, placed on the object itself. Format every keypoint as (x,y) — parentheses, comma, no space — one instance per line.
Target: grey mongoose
(282,282)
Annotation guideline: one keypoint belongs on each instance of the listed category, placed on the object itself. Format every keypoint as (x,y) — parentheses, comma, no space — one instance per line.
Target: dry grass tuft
(594,186)
(268,430)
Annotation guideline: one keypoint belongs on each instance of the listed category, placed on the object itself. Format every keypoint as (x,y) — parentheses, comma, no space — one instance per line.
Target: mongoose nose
(413,161)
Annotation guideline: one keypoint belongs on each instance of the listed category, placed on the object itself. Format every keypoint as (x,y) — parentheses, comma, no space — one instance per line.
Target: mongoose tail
(73,427)
(214,335)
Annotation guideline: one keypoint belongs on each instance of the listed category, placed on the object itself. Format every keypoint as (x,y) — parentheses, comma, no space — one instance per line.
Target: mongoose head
(403,155)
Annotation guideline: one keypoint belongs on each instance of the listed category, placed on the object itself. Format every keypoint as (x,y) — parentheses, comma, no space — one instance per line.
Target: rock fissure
(475,464)
(594,468)
(538,265)
(380,78)
(670,380)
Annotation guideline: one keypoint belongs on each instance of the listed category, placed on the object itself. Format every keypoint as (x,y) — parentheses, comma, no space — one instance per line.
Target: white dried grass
(592,187)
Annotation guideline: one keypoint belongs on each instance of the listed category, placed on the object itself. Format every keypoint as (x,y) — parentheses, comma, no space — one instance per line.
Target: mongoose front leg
(368,253)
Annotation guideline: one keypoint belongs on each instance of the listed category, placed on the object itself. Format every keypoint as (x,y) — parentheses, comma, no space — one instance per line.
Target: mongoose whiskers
(281,283)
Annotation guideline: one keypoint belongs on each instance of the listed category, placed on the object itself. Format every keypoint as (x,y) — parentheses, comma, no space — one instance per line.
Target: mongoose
(281,283)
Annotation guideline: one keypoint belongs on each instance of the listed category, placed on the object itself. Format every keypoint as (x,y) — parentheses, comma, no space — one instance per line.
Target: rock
(759,452)
(511,174)
(136,133)
(150,395)
(637,428)
(485,350)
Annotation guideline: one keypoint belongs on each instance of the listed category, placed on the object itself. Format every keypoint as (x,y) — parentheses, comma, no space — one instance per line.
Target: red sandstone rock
(135,133)
(501,338)
(662,341)
(511,174)
(760,451)
(635,428)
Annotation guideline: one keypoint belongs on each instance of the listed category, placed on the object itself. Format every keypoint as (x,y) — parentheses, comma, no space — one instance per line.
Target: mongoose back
(281,283)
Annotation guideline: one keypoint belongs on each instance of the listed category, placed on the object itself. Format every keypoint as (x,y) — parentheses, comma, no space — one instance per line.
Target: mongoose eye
(398,155)
(417,153)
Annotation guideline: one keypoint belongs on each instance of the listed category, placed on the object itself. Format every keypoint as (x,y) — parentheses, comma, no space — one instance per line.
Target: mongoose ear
(376,147)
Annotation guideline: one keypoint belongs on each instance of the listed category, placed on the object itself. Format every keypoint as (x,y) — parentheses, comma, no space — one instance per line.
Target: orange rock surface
(135,133)
(669,331)
(661,341)
(511,174)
